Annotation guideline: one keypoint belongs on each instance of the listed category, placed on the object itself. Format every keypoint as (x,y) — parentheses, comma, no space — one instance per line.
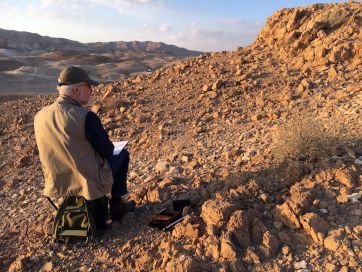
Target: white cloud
(46,3)
(121,6)
(198,38)
(76,6)
(101,2)
(125,6)
(4,7)
(230,21)
(71,10)
(165,28)
(239,25)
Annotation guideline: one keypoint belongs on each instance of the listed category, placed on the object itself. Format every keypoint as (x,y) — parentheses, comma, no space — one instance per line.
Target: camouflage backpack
(74,221)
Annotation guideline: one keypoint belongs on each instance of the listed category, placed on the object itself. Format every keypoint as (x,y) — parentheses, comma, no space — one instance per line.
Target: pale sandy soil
(37,74)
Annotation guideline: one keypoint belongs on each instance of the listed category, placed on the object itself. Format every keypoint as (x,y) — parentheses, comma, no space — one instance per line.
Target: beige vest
(70,164)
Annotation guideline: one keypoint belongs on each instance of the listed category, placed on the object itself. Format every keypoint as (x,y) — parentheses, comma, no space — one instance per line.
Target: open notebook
(118,146)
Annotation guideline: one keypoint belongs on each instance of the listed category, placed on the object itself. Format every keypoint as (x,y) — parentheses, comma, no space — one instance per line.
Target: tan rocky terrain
(265,141)
(30,63)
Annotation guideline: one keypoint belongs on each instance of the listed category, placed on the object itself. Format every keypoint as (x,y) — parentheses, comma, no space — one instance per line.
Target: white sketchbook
(118,146)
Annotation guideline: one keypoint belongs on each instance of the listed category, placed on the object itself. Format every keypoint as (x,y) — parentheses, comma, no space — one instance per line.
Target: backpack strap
(90,211)
(57,219)
(52,203)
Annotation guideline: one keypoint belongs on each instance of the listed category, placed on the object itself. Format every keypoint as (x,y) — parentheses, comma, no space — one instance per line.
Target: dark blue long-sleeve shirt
(97,136)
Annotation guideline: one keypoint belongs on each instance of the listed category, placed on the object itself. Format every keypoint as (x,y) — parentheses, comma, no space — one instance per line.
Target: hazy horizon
(196,25)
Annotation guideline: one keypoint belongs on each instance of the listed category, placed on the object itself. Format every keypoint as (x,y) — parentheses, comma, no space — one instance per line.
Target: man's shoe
(118,208)
(100,231)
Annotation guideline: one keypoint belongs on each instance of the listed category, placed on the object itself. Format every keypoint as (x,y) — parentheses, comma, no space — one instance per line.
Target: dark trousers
(119,165)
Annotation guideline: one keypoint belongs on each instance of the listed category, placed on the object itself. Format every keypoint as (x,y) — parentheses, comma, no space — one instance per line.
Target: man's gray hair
(67,89)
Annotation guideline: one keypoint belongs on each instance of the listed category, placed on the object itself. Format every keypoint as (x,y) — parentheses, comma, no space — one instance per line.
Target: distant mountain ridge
(27,41)
(30,63)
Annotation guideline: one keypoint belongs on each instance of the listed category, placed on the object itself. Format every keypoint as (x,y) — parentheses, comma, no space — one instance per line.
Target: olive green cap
(74,75)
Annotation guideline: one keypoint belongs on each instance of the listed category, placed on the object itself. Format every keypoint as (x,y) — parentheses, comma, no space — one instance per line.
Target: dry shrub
(308,138)
(331,19)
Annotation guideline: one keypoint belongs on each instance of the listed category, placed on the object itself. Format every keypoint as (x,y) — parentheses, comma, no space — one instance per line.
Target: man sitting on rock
(75,151)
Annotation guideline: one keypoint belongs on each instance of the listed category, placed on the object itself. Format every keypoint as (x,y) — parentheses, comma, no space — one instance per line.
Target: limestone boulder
(345,177)
(332,72)
(228,250)
(285,214)
(216,212)
(162,167)
(301,198)
(238,226)
(315,226)
(335,239)
(154,194)
(218,83)
(185,230)
(270,245)
(182,263)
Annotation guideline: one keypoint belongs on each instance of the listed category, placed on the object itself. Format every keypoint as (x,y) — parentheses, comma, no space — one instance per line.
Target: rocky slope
(265,141)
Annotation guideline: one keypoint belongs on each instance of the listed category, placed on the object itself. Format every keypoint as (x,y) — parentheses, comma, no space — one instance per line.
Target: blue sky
(211,25)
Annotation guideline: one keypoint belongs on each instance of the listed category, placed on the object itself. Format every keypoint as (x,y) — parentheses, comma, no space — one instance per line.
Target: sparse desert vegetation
(309,138)
(207,129)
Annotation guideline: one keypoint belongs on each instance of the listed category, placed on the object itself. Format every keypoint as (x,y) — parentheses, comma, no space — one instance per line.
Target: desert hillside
(30,63)
(265,141)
